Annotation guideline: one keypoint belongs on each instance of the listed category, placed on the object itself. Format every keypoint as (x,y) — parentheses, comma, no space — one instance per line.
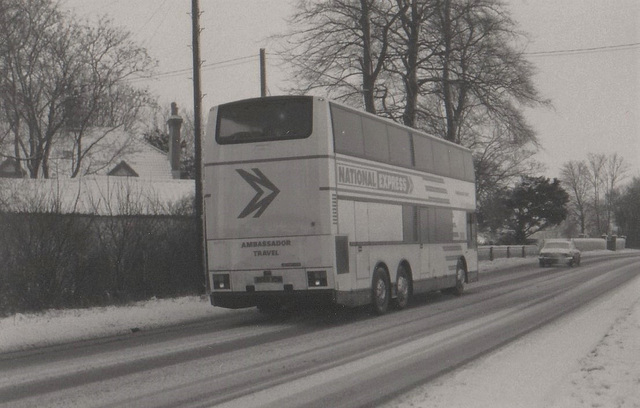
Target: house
(108,152)
(113,153)
(121,175)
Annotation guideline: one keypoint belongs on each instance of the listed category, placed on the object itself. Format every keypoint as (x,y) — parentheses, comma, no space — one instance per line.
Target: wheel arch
(383,265)
(404,263)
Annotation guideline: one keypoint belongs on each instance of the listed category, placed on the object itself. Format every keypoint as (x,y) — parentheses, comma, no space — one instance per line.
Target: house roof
(109,148)
(148,161)
(123,169)
(10,168)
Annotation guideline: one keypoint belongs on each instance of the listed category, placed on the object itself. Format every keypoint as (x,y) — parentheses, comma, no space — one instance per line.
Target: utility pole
(197,124)
(263,74)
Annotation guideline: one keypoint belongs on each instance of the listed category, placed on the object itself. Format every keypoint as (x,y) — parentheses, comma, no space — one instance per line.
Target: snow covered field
(588,359)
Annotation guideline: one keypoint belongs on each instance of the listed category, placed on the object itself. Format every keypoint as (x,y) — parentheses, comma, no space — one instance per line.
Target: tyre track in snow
(345,358)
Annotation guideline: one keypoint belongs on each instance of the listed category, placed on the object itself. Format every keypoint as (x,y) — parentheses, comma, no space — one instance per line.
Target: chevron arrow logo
(260,201)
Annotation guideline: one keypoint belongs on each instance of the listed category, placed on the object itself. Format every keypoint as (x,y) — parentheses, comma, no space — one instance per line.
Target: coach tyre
(403,288)
(380,291)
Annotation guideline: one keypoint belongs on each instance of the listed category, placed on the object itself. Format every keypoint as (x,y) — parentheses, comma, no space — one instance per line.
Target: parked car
(556,251)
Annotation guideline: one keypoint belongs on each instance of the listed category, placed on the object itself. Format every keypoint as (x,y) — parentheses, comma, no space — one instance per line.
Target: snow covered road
(590,358)
(586,358)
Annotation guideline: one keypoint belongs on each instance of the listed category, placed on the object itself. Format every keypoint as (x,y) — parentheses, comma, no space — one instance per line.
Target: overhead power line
(204,67)
(252,58)
(619,47)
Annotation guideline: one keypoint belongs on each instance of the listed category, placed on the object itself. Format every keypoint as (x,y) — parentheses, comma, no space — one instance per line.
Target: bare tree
(103,101)
(449,67)
(340,46)
(62,78)
(499,160)
(614,172)
(413,47)
(596,164)
(588,180)
(481,68)
(31,34)
(575,175)
(426,63)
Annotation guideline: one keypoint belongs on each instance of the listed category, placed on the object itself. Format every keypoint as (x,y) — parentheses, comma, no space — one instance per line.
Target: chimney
(174,122)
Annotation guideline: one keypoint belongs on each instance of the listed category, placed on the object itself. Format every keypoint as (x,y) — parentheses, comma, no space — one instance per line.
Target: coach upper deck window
(265,119)
(376,141)
(400,151)
(347,131)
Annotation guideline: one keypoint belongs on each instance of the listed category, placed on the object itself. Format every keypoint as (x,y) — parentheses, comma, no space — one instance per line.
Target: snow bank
(25,331)
(590,358)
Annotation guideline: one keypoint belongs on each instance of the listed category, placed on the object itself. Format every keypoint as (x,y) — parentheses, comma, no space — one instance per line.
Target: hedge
(54,260)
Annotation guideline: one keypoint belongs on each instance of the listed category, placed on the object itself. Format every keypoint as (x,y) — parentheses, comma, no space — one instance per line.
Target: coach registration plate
(268,279)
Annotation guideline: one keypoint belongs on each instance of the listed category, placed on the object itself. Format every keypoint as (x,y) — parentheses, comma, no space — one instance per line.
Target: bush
(71,260)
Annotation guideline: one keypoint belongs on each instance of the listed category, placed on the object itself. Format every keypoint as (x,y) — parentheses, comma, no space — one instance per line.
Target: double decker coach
(309,200)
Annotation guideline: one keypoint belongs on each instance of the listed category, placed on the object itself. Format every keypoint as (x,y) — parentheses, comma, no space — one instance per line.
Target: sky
(586,53)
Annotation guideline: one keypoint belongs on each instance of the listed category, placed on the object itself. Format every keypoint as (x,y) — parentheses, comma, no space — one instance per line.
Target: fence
(489,253)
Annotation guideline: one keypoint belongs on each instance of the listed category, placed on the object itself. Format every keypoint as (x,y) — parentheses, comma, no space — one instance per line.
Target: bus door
(352,222)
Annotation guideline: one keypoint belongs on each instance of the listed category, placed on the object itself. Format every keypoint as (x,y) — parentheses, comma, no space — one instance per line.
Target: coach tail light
(221,281)
(317,278)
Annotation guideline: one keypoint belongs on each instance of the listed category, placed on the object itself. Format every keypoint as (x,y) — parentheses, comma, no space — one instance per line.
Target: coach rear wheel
(380,291)
(403,288)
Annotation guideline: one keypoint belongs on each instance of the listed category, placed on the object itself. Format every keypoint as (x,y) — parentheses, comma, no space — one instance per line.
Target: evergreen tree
(535,204)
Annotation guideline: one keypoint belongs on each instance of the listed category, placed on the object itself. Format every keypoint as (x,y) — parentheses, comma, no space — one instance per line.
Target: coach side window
(444,225)
(347,132)
(457,163)
(376,143)
(469,172)
(410,223)
(441,159)
(424,153)
(427,221)
(400,147)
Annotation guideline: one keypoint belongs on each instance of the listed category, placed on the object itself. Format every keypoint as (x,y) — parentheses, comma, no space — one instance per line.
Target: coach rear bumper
(240,300)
